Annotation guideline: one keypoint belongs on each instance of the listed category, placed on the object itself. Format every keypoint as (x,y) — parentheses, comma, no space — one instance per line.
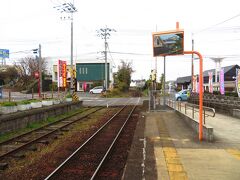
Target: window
(83,70)
(86,71)
(80,71)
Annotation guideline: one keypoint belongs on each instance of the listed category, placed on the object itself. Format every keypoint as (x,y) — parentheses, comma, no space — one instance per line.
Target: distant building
(183,82)
(138,83)
(89,73)
(229,79)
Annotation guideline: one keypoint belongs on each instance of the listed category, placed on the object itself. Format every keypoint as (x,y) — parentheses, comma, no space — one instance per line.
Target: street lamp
(69,8)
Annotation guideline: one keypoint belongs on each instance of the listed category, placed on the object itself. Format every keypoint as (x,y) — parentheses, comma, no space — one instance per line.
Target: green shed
(91,71)
(88,73)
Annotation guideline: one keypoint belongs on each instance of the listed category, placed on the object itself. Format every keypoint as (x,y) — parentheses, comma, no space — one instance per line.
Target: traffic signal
(35,51)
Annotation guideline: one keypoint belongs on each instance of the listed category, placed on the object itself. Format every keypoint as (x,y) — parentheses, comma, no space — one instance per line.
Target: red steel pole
(39,94)
(200,91)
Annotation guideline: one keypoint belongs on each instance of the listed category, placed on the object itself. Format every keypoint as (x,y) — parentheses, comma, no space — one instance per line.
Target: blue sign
(4,53)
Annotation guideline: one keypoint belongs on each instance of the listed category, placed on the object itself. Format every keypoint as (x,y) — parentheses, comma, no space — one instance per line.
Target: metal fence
(157,101)
(191,109)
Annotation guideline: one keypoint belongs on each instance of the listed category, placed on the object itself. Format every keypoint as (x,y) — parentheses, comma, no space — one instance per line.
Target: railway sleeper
(67,121)
(9,147)
(59,133)
(3,166)
(32,148)
(43,142)
(42,132)
(23,140)
(52,128)
(65,129)
(19,155)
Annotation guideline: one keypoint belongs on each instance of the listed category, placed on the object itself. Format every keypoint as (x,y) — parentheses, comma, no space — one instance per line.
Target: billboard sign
(222,90)
(194,88)
(62,73)
(210,81)
(238,81)
(4,53)
(168,43)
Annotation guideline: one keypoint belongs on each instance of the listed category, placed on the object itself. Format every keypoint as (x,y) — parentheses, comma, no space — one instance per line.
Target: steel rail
(29,132)
(79,148)
(45,126)
(113,143)
(45,135)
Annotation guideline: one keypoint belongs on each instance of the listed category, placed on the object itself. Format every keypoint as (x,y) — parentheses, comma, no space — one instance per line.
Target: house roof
(226,69)
(185,79)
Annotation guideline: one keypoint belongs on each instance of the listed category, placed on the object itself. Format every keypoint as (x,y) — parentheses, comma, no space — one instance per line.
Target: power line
(210,27)
(111,56)
(138,54)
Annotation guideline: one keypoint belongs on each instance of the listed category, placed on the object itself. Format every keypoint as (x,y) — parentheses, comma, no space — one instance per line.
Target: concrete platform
(164,147)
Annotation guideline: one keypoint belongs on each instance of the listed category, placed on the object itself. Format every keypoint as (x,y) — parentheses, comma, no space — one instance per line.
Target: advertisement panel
(168,43)
(62,73)
(210,81)
(221,75)
(4,53)
(194,88)
(238,81)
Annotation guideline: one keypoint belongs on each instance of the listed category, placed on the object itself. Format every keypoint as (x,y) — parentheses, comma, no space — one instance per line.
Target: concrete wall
(236,113)
(207,130)
(11,122)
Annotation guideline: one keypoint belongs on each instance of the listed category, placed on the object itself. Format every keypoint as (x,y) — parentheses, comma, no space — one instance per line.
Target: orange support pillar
(200,91)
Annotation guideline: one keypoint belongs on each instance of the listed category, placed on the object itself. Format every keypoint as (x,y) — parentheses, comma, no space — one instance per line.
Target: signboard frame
(4,53)
(169,45)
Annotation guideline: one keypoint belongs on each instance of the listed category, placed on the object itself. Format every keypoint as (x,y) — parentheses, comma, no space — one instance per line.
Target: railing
(178,105)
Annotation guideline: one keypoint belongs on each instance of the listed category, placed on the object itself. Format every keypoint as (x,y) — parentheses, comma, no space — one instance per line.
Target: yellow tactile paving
(234,152)
(174,166)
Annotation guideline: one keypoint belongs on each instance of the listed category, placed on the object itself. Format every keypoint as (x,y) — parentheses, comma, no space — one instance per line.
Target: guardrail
(178,105)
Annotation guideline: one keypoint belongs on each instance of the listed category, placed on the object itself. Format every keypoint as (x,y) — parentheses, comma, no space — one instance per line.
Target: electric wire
(222,22)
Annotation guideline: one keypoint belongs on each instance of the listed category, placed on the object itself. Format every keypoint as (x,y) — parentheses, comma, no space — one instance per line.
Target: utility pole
(69,8)
(104,33)
(40,70)
(192,62)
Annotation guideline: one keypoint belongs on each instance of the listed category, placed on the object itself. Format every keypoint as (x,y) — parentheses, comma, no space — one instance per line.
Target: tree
(26,69)
(9,75)
(123,77)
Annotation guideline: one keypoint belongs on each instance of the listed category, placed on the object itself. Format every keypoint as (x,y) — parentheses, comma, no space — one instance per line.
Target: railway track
(87,160)
(12,146)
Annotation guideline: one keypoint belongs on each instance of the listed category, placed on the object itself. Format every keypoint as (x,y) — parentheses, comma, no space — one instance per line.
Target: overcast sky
(26,23)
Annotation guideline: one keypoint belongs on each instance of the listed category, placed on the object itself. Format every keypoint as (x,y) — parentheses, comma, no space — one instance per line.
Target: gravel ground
(32,167)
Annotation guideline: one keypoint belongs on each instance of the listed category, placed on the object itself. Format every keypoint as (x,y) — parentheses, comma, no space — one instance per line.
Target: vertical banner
(238,81)
(194,88)
(221,75)
(62,73)
(59,73)
(210,82)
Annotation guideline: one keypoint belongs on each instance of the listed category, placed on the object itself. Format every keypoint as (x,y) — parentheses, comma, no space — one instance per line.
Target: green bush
(122,86)
(53,86)
(24,102)
(68,95)
(34,100)
(8,103)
